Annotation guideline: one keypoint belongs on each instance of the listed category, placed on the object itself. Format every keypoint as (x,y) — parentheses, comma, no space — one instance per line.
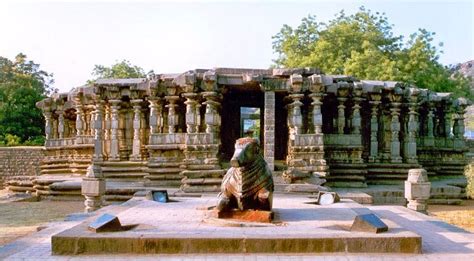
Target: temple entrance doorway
(250,122)
(243,115)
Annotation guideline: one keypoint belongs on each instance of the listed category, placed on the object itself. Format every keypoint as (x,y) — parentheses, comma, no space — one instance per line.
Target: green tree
(123,69)
(22,84)
(363,45)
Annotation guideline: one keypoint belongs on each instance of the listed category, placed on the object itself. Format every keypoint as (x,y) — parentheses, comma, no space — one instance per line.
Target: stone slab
(180,228)
(369,223)
(105,223)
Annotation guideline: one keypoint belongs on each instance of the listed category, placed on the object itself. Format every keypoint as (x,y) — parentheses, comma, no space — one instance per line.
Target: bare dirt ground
(18,219)
(461,216)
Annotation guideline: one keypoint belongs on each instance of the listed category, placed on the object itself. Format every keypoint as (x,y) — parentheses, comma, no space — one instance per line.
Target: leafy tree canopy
(123,69)
(363,45)
(22,84)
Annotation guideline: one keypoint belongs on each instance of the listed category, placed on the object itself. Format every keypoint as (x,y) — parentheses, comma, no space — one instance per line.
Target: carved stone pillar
(55,127)
(212,119)
(60,124)
(99,131)
(374,126)
(87,122)
(430,120)
(172,115)
(156,119)
(460,104)
(48,129)
(448,122)
(79,119)
(136,144)
(395,99)
(317,116)
(114,128)
(342,92)
(269,131)
(107,127)
(412,127)
(191,117)
(356,119)
(296,118)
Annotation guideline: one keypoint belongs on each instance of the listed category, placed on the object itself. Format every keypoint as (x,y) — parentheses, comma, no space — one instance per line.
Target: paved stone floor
(441,241)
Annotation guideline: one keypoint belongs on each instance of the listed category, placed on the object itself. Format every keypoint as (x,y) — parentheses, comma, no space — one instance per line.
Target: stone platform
(186,227)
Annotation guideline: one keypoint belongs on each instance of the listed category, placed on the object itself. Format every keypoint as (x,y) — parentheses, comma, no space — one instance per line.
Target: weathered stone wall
(20,161)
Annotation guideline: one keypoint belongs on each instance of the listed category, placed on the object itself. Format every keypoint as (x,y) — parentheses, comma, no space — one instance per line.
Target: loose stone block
(105,223)
(327,198)
(369,223)
(93,187)
(158,196)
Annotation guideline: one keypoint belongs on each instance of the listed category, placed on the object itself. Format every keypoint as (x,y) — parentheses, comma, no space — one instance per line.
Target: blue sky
(68,37)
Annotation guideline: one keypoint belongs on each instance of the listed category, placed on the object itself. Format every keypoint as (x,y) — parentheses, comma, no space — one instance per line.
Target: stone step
(393,166)
(387,171)
(163,183)
(55,166)
(164,164)
(122,190)
(202,181)
(124,174)
(164,170)
(344,177)
(153,176)
(385,182)
(387,176)
(347,165)
(202,167)
(122,163)
(337,171)
(122,169)
(345,184)
(200,189)
(117,198)
(203,173)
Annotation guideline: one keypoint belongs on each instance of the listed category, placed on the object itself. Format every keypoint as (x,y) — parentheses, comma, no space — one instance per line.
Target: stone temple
(178,130)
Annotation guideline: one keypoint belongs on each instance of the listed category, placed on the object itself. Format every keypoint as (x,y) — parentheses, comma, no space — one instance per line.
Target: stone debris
(369,223)
(105,223)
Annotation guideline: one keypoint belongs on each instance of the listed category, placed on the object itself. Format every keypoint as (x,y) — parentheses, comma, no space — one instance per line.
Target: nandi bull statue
(248,184)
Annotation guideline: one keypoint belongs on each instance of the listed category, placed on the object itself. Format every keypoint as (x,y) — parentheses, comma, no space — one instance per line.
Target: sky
(69,37)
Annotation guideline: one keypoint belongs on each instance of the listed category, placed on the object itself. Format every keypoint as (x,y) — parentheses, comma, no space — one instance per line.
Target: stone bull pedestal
(183,227)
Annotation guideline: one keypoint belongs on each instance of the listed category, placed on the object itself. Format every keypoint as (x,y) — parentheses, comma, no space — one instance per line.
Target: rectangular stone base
(246,215)
(181,228)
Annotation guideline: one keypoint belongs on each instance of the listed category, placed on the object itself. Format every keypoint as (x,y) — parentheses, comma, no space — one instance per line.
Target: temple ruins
(178,130)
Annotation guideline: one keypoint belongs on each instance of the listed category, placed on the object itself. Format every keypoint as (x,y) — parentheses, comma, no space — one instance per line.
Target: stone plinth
(180,227)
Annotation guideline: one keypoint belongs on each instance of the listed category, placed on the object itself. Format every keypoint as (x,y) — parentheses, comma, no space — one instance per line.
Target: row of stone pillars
(111,128)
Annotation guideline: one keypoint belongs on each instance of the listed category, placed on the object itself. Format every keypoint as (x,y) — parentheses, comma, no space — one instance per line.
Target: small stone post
(93,187)
(417,190)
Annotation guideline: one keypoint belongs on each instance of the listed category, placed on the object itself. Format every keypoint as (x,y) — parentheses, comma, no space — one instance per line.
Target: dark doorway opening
(242,109)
